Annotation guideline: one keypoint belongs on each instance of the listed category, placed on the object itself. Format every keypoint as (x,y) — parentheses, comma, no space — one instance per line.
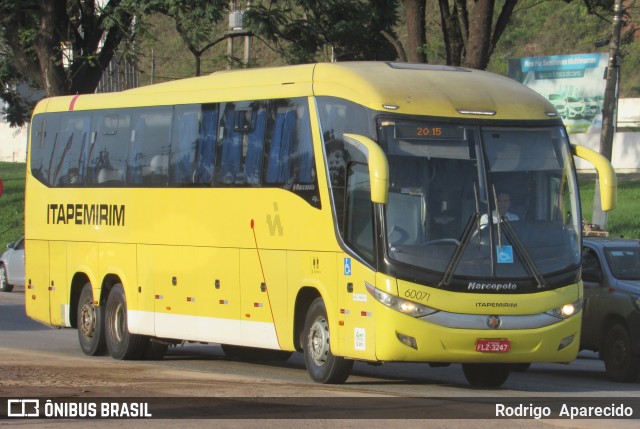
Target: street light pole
(609,107)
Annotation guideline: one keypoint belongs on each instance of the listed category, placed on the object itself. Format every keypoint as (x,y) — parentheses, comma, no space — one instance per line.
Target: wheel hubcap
(87,322)
(319,341)
(117,322)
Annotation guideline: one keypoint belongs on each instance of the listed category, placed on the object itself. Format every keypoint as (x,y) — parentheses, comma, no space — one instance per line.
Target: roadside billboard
(574,84)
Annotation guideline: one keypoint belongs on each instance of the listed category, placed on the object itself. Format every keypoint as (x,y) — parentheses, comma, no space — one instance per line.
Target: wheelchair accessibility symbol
(347,266)
(504,254)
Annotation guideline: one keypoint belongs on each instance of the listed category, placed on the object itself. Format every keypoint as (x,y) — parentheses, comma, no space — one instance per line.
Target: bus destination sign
(426,131)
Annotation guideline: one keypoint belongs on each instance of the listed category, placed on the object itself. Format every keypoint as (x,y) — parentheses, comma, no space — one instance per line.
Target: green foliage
(624,221)
(11,203)
(301,30)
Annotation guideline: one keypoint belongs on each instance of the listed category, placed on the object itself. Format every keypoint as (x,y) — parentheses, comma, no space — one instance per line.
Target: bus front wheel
(90,325)
(121,344)
(487,375)
(322,365)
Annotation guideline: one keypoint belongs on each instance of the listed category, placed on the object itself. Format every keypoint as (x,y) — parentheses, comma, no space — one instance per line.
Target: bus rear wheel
(121,344)
(322,365)
(486,374)
(90,324)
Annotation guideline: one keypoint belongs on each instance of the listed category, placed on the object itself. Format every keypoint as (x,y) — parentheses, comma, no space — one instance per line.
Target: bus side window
(155,145)
(255,147)
(108,151)
(37,146)
(231,151)
(183,148)
(303,161)
(67,154)
(136,157)
(206,150)
(359,212)
(279,150)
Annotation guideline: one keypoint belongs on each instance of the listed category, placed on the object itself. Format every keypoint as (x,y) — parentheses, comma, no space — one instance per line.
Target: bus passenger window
(183,147)
(107,156)
(205,154)
(135,159)
(255,147)
(154,144)
(231,152)
(280,147)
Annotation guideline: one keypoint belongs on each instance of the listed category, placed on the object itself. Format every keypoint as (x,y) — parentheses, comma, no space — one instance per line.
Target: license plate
(493,346)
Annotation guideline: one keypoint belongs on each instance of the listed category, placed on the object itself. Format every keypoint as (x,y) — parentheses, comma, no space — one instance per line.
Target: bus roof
(407,88)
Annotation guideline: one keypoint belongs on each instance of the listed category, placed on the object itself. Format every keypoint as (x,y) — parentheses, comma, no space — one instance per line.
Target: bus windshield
(490,202)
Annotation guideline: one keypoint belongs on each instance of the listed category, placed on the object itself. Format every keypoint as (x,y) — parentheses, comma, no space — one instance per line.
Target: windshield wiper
(457,254)
(474,221)
(522,252)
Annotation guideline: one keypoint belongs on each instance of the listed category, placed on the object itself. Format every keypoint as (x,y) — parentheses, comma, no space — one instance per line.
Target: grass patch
(624,221)
(11,202)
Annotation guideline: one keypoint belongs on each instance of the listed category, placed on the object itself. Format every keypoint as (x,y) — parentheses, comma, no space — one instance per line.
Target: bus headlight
(566,310)
(405,306)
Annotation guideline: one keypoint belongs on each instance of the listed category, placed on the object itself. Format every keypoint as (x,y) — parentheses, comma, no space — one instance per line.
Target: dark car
(12,266)
(611,315)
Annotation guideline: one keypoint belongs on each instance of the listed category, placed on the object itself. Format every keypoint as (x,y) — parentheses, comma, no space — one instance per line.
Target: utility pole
(610,107)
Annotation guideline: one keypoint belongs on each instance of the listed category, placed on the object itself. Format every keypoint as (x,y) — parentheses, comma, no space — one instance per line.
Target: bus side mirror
(378,166)
(606,175)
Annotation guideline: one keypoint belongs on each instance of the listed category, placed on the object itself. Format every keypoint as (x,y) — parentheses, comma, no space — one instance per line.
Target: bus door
(355,315)
(263,285)
(355,307)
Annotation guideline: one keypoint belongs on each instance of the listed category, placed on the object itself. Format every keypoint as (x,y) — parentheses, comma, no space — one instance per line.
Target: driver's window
(359,230)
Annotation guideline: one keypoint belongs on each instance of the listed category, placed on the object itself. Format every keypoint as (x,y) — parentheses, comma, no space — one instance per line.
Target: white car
(12,266)
(591,107)
(575,107)
(559,103)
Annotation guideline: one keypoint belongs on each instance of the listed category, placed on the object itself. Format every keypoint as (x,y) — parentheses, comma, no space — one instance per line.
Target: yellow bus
(341,210)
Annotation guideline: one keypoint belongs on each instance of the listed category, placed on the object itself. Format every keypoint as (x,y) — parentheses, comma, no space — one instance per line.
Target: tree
(302,29)
(60,46)
(471,30)
(414,15)
(194,21)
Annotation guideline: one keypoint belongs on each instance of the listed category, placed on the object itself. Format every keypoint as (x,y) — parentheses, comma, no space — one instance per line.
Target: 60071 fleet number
(417,295)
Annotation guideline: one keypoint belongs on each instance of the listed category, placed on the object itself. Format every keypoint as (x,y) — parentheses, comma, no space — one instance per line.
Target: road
(38,361)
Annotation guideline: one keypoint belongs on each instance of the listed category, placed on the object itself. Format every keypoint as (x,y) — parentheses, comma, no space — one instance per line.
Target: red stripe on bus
(73,102)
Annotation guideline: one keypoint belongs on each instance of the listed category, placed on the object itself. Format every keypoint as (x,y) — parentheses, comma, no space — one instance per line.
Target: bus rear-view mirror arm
(378,165)
(606,175)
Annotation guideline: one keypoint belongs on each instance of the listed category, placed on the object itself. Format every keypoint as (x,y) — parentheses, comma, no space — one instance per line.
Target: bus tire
(253,354)
(90,323)
(619,361)
(487,375)
(322,365)
(121,344)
